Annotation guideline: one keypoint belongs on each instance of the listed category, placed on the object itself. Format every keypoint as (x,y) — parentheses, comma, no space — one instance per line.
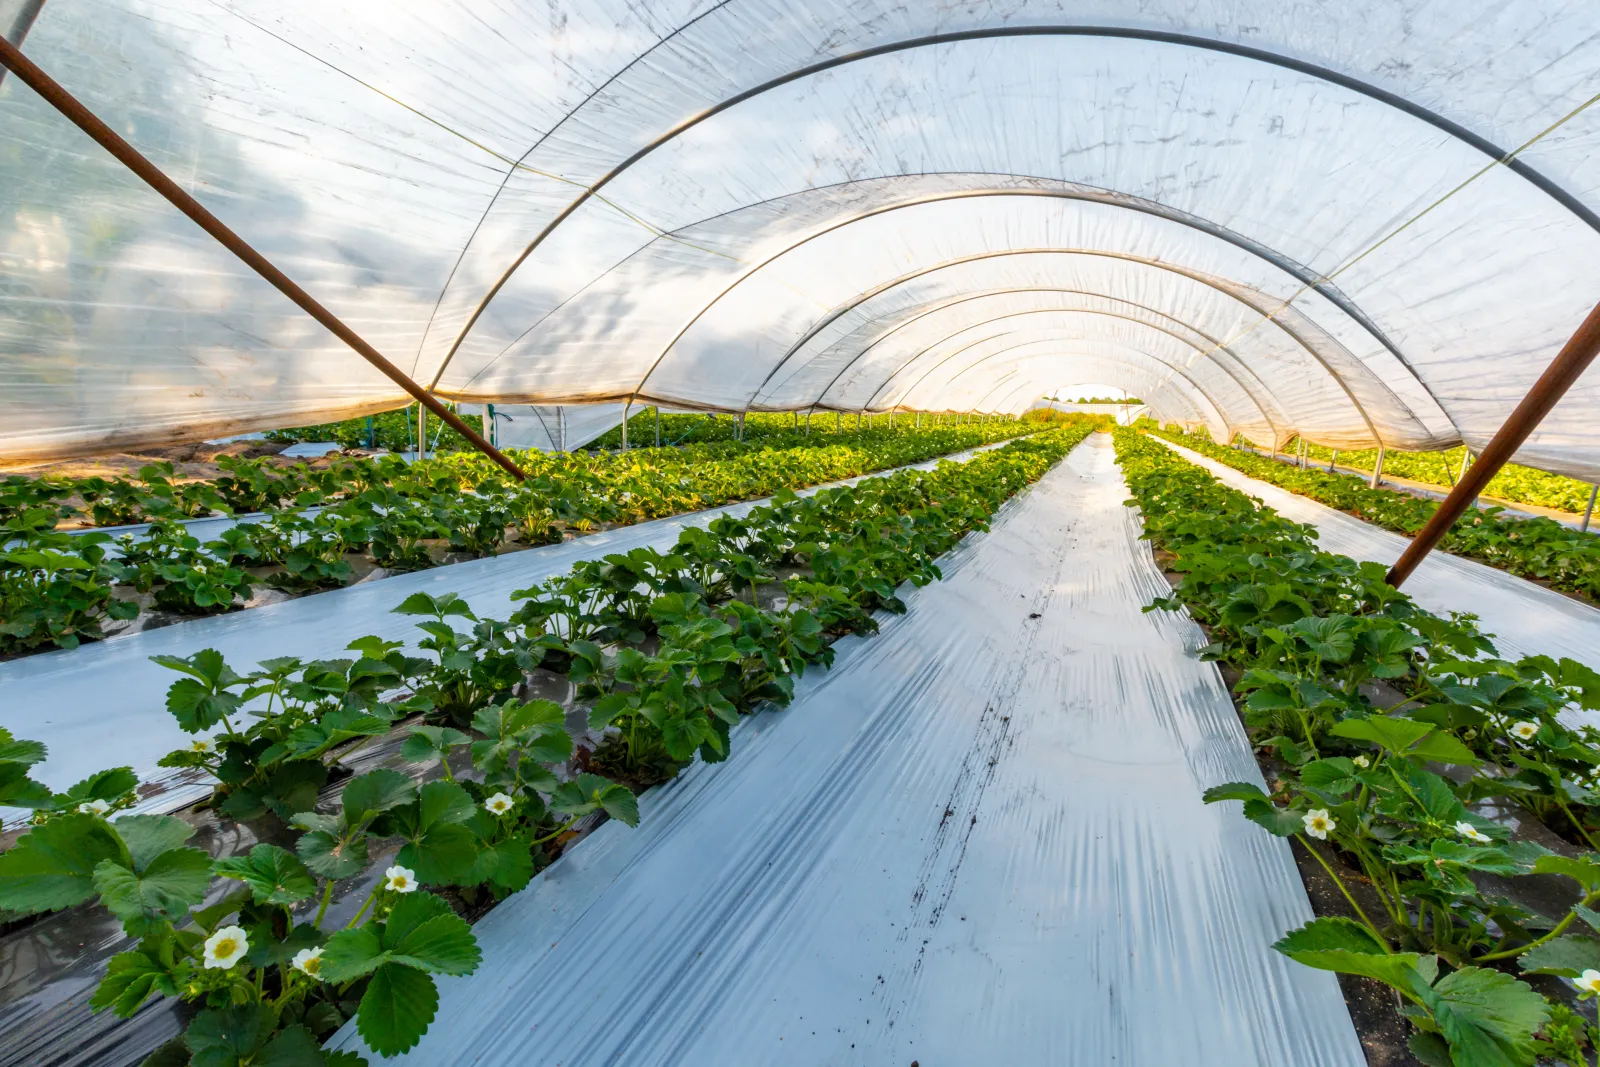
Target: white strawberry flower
(1361,761)
(1319,823)
(1588,981)
(398,879)
(498,804)
(225,947)
(308,961)
(203,745)
(94,807)
(199,568)
(1524,731)
(1472,833)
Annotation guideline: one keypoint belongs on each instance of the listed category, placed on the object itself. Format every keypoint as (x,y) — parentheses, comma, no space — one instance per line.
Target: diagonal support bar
(12,59)
(1573,359)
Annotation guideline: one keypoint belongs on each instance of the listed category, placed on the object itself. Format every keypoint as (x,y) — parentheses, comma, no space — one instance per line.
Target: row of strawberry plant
(1537,548)
(1514,483)
(60,589)
(1401,752)
(667,651)
(676,428)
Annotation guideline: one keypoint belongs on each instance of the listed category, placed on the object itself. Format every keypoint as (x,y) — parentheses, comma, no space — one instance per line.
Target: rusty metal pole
(1573,359)
(80,116)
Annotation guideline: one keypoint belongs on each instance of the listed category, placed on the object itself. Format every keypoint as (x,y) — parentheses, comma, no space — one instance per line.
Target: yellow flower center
(225,948)
(312,965)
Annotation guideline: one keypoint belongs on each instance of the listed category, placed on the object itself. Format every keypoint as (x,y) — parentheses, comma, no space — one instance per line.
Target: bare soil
(191,463)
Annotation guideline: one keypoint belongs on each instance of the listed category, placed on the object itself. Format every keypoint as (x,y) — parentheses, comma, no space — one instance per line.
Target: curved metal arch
(1162,387)
(1083,311)
(1218,346)
(1179,371)
(1004,401)
(1270,256)
(1195,276)
(968,194)
(1188,399)
(1221,415)
(1315,70)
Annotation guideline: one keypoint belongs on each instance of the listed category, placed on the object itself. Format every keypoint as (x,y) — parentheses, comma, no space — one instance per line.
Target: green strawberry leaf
(130,979)
(274,875)
(330,857)
(52,866)
(165,888)
(397,1008)
(376,792)
(1347,947)
(1488,1017)
(1567,956)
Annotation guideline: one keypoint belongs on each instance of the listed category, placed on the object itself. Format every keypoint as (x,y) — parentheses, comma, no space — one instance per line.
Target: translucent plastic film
(1307,217)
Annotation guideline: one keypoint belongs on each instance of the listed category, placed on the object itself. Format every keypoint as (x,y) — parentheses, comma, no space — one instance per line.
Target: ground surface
(978,840)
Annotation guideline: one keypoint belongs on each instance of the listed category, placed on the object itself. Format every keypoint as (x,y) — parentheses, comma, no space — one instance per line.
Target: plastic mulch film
(1362,222)
(979,838)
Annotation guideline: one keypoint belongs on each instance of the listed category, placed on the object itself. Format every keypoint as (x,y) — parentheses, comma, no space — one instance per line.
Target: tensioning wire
(1392,234)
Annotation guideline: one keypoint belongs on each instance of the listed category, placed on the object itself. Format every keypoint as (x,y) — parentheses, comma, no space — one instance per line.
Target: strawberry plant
(54,589)
(281,724)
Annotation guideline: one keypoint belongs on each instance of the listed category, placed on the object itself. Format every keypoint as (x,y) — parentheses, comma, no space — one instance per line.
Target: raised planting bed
(309,529)
(1535,548)
(367,807)
(1443,799)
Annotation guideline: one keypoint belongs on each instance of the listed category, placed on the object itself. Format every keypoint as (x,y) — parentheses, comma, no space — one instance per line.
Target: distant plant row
(1537,548)
(320,526)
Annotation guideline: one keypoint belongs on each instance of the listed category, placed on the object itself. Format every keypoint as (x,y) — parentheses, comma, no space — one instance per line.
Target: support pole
(1466,459)
(24,68)
(658,425)
(625,408)
(1573,359)
(1377,469)
(422,432)
(810,413)
(1588,511)
(1334,460)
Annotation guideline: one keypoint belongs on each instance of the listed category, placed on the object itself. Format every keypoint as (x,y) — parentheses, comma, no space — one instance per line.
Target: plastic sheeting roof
(1365,222)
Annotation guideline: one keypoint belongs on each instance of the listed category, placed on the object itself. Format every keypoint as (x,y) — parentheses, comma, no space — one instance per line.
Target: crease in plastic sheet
(978,839)
(104,704)
(402,168)
(1524,618)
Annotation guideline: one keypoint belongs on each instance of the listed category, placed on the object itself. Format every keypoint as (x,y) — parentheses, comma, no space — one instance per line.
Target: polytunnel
(837,243)
(1359,225)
